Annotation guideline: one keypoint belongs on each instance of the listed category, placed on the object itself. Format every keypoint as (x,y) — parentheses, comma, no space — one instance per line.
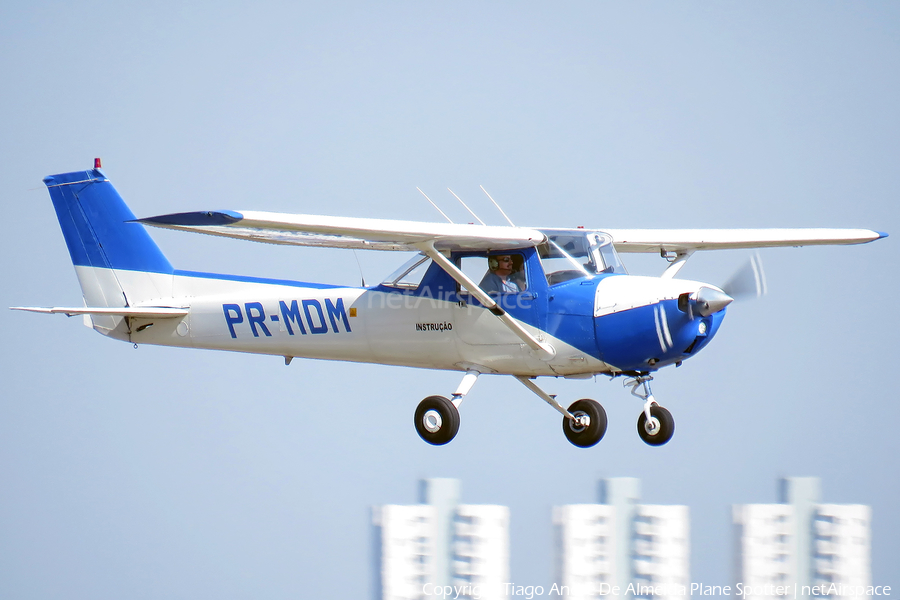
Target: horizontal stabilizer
(146,312)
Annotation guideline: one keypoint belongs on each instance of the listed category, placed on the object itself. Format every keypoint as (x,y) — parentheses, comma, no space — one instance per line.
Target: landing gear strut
(655,424)
(584,423)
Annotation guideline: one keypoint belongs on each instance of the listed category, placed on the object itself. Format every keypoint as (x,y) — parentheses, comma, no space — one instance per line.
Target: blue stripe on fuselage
(264,280)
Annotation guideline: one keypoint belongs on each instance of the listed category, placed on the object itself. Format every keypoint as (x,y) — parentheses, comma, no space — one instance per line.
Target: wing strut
(681,257)
(551,400)
(543,350)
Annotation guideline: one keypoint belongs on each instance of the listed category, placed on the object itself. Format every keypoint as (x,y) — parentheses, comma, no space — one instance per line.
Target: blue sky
(161,472)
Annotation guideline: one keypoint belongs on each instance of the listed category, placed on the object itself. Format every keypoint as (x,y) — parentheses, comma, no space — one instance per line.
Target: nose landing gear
(658,429)
(655,424)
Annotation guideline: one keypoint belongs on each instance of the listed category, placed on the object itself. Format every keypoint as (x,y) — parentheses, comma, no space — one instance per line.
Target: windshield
(572,254)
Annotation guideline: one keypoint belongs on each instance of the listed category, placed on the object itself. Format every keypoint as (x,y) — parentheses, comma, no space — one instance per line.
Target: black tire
(666,426)
(437,434)
(585,437)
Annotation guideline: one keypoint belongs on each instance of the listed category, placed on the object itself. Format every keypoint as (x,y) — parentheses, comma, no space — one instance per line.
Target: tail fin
(116,261)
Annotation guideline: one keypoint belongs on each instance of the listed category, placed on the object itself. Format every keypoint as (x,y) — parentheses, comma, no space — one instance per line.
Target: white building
(822,549)
(585,548)
(404,550)
(480,550)
(763,534)
(438,543)
(642,549)
(661,550)
(842,541)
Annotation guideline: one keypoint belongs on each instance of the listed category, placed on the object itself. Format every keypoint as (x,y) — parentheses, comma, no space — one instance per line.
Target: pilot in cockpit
(503,276)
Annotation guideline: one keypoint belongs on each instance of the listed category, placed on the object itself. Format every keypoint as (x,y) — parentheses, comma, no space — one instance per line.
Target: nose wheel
(655,424)
(658,429)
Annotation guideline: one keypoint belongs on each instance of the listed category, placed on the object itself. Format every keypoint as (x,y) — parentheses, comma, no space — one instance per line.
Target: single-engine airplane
(477,299)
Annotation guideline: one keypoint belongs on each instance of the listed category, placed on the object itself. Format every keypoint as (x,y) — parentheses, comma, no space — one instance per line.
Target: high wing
(386,234)
(347,232)
(687,240)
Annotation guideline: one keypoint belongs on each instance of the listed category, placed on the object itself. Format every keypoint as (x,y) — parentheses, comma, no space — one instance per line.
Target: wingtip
(36,309)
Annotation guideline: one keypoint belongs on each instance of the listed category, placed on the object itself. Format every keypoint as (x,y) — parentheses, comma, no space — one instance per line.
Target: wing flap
(347,232)
(679,240)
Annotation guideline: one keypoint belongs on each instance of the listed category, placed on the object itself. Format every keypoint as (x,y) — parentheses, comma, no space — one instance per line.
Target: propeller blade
(748,282)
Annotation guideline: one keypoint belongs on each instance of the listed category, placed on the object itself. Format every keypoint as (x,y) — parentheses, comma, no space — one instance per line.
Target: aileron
(674,240)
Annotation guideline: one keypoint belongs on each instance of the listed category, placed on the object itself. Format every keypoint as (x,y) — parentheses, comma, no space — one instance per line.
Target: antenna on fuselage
(362,276)
(434,205)
(466,206)
(497,205)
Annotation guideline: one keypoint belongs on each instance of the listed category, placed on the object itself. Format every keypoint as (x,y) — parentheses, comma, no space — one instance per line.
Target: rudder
(117,262)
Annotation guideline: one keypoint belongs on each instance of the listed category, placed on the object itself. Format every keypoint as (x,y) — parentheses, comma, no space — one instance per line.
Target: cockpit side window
(496,273)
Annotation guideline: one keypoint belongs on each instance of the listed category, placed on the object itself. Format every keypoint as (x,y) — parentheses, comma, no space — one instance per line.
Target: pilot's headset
(494,264)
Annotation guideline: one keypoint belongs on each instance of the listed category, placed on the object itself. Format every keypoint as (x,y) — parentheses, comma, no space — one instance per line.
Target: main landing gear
(584,423)
(437,418)
(588,425)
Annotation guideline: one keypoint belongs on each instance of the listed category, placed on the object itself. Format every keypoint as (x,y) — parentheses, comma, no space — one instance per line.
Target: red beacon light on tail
(96,163)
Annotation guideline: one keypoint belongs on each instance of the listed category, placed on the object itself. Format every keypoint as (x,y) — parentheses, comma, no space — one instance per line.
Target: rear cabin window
(410,275)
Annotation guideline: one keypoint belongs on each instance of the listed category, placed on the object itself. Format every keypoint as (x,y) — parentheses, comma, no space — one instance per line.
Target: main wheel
(659,429)
(437,420)
(585,435)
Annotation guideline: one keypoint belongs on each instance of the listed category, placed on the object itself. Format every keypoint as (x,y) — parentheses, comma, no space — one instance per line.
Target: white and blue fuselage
(599,320)
(550,302)
(608,324)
